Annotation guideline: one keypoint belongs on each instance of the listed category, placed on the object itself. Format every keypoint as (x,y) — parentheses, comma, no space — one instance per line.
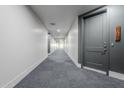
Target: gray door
(96,41)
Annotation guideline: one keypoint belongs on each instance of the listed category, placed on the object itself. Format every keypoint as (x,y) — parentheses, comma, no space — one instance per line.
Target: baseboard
(96,70)
(116,75)
(19,77)
(74,61)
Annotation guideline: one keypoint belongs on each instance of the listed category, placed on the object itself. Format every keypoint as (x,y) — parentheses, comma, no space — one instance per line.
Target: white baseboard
(116,75)
(74,61)
(96,70)
(19,77)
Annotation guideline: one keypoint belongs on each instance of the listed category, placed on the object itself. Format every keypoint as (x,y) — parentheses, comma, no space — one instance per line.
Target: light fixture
(58,30)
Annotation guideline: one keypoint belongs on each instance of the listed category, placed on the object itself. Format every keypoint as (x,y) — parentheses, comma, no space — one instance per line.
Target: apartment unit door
(96,42)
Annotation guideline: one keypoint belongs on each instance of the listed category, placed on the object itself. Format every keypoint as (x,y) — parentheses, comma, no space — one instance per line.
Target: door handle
(112,44)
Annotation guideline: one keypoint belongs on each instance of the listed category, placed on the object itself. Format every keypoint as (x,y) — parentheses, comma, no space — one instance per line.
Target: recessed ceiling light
(58,30)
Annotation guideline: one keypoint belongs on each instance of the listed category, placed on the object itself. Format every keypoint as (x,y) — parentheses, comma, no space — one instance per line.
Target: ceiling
(60,16)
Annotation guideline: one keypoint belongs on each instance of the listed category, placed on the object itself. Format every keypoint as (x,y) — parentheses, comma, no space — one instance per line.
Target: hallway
(58,71)
(45,46)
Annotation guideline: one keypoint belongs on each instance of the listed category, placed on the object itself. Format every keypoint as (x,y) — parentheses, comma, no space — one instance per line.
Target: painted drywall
(23,43)
(71,42)
(116,16)
(52,44)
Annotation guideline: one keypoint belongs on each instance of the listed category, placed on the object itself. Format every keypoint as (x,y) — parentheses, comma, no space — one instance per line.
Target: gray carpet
(58,71)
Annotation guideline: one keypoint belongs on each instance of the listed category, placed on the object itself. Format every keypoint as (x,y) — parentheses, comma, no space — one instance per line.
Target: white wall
(52,44)
(71,42)
(23,43)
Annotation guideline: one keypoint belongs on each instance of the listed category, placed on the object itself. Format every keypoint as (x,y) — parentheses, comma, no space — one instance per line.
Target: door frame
(81,35)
